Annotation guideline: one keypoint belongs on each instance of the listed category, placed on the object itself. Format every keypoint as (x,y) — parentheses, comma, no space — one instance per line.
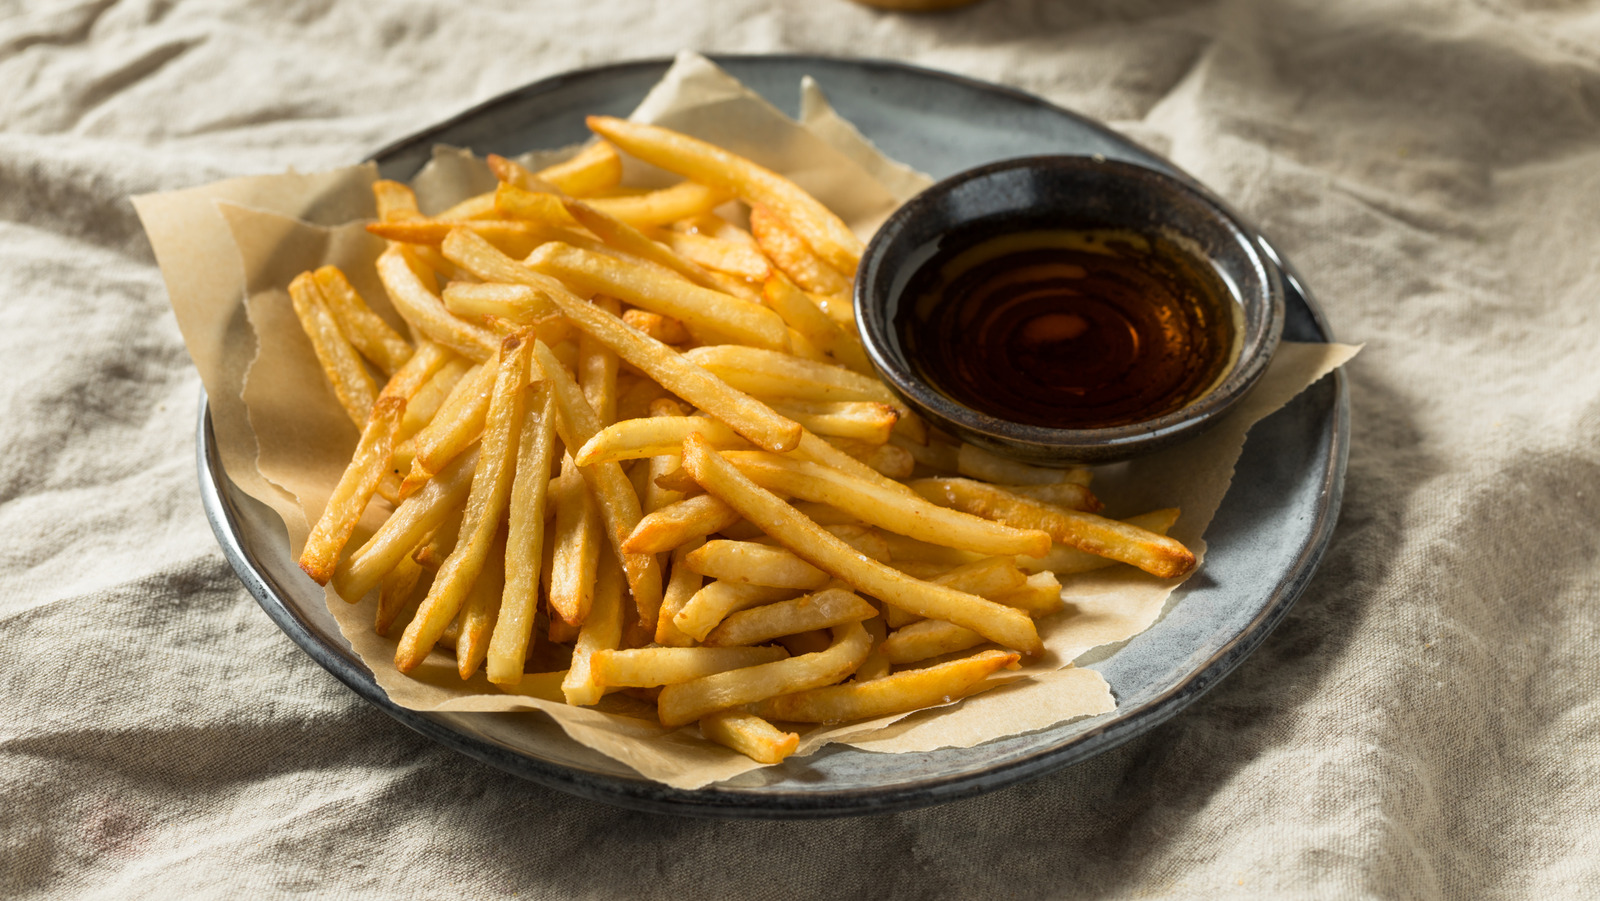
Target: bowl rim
(1066,446)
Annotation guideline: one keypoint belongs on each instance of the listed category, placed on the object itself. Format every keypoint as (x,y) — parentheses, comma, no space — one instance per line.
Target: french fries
(655,438)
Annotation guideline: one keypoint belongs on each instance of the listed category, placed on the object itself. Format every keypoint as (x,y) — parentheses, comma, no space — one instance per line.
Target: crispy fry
(658,327)
(633,439)
(1071,495)
(481,609)
(719,477)
(601,631)
(395,200)
(804,316)
(706,313)
(1066,560)
(491,486)
(365,329)
(518,303)
(646,667)
(661,207)
(1156,554)
(479,206)
(824,609)
(1040,595)
(767,373)
(742,413)
(756,564)
(595,168)
(577,546)
(396,592)
(679,523)
(910,690)
(424,404)
(686,702)
(712,603)
(711,165)
(739,260)
(619,506)
(682,585)
(750,735)
(514,236)
(885,509)
(791,254)
(427,313)
(458,423)
(405,528)
(861,420)
(524,539)
(347,375)
(630,240)
(354,491)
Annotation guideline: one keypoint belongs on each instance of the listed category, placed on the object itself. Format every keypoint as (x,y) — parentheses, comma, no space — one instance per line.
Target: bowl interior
(1066,193)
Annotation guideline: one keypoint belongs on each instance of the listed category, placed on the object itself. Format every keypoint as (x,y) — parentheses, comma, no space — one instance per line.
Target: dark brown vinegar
(1069,329)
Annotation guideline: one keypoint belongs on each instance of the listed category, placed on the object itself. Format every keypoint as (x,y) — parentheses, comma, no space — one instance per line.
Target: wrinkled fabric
(1424,724)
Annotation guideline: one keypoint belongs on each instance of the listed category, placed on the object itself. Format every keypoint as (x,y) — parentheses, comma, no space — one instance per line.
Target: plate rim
(639,793)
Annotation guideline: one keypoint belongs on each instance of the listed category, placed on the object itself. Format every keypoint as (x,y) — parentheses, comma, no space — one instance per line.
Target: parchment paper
(284,440)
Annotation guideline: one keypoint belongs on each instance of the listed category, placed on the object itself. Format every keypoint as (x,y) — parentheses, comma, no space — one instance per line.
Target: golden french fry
(742,413)
(347,375)
(514,236)
(420,368)
(1066,560)
(977,463)
(790,253)
(1004,625)
(426,402)
(601,631)
(630,240)
(910,690)
(822,610)
(704,312)
(595,168)
(354,491)
(876,666)
(481,609)
(661,207)
(366,330)
(395,593)
(739,260)
(927,638)
(405,528)
(577,546)
(597,369)
(861,420)
(452,430)
(646,667)
(682,585)
(679,523)
(1156,554)
(508,649)
(767,373)
(750,735)
(427,313)
(633,439)
(699,161)
(658,327)
(479,206)
(713,602)
(804,316)
(756,564)
(491,487)
(1040,595)
(886,509)
(686,702)
(517,303)
(395,200)
(577,422)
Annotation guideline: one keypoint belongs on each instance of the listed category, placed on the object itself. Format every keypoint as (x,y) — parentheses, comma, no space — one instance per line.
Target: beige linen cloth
(1424,724)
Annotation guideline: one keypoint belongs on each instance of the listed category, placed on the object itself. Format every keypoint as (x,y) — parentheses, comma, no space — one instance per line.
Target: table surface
(1423,724)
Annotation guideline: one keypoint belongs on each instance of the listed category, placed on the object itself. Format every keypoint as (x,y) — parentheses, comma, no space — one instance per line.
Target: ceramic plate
(1264,542)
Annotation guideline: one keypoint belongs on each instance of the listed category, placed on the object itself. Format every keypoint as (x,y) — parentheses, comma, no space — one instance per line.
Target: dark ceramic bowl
(1055,193)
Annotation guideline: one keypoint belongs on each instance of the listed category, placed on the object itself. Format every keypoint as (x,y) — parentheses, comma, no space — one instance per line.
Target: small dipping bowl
(1070,194)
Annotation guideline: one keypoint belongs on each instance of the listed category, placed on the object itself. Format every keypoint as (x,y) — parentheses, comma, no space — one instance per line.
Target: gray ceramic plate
(1265,541)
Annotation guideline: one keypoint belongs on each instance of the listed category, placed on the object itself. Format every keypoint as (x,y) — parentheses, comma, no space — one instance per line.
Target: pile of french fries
(632,446)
